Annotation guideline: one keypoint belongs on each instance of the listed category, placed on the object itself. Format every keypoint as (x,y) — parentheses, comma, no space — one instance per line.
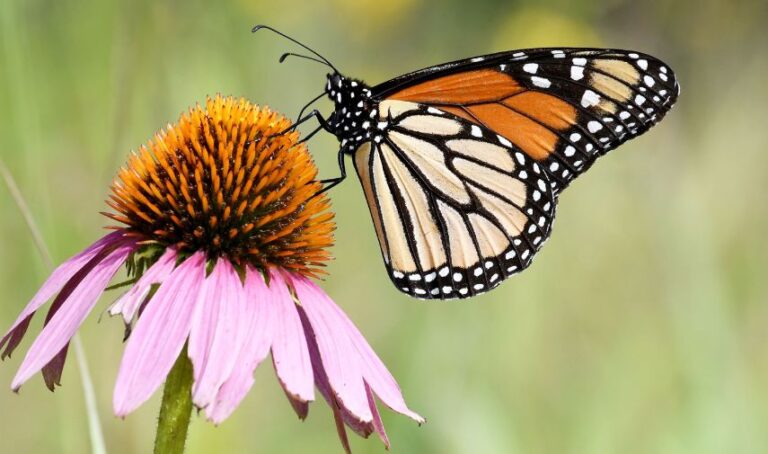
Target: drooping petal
(159,336)
(378,424)
(362,428)
(255,340)
(58,278)
(339,357)
(289,347)
(131,300)
(218,321)
(337,335)
(62,326)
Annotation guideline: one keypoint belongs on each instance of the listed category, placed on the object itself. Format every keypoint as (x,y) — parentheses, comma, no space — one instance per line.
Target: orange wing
(564,108)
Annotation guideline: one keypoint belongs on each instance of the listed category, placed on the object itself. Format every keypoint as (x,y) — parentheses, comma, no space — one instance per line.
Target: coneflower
(221,231)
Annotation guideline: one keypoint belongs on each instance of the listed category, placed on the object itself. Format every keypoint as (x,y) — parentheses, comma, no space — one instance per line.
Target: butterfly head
(354,110)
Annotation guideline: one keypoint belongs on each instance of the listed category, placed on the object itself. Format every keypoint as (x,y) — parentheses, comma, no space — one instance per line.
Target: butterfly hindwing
(456,207)
(562,107)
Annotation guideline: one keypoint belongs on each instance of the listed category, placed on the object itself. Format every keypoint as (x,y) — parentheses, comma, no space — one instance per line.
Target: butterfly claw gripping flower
(221,231)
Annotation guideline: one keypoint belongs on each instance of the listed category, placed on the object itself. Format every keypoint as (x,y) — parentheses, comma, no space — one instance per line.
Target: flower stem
(176,408)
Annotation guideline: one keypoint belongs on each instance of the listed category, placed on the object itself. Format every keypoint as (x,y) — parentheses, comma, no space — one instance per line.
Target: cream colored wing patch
(455,215)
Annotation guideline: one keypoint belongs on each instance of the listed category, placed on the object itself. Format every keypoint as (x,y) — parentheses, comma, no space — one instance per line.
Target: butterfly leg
(331,182)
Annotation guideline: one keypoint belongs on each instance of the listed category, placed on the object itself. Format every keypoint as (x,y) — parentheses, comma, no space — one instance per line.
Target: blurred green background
(642,327)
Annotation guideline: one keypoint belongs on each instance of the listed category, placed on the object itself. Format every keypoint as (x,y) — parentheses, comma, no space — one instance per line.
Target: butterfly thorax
(354,119)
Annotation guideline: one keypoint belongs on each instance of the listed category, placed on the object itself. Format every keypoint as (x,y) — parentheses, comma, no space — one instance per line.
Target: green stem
(176,408)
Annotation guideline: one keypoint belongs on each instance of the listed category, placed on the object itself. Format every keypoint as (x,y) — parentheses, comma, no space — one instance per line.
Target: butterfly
(462,163)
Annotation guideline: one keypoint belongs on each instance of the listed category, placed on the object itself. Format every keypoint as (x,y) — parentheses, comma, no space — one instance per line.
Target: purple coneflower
(221,232)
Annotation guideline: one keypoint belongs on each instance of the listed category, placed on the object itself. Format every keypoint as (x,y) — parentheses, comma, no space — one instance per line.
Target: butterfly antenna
(266,27)
(307,57)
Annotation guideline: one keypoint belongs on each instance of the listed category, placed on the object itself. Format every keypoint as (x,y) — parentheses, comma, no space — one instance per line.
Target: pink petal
(378,424)
(289,348)
(255,339)
(339,357)
(130,301)
(218,319)
(159,336)
(63,325)
(338,336)
(362,428)
(60,276)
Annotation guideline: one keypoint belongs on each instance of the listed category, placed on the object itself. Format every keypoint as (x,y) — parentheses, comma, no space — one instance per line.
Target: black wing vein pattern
(456,207)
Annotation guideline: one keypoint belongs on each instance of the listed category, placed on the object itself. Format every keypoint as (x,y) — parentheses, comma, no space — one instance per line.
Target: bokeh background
(641,327)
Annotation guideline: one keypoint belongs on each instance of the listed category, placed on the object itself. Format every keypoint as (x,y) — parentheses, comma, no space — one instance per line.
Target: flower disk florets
(223,180)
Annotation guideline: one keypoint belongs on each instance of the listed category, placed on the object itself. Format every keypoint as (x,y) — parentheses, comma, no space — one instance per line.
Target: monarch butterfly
(462,163)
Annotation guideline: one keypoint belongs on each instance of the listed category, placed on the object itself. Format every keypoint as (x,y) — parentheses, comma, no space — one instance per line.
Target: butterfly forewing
(562,107)
(457,208)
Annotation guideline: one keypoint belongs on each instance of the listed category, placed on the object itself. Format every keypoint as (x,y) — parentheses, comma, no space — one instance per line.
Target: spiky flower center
(224,181)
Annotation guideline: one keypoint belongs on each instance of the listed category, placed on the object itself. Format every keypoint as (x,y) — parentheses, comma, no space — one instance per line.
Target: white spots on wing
(478,271)
(624,115)
(488,265)
(663,77)
(476,131)
(420,291)
(503,140)
(502,67)
(414,277)
(432,110)
(477,59)
(541,185)
(577,72)
(443,271)
(575,137)
(382,125)
(478,286)
(510,254)
(642,64)
(430,277)
(457,277)
(531,68)
(639,100)
(536,195)
(554,166)
(558,53)
(569,151)
(579,61)
(435,291)
(520,158)
(589,99)
(648,80)
(398,274)
(633,56)
(594,126)
(541,82)
(523,175)
(463,290)
(519,54)
(447,289)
